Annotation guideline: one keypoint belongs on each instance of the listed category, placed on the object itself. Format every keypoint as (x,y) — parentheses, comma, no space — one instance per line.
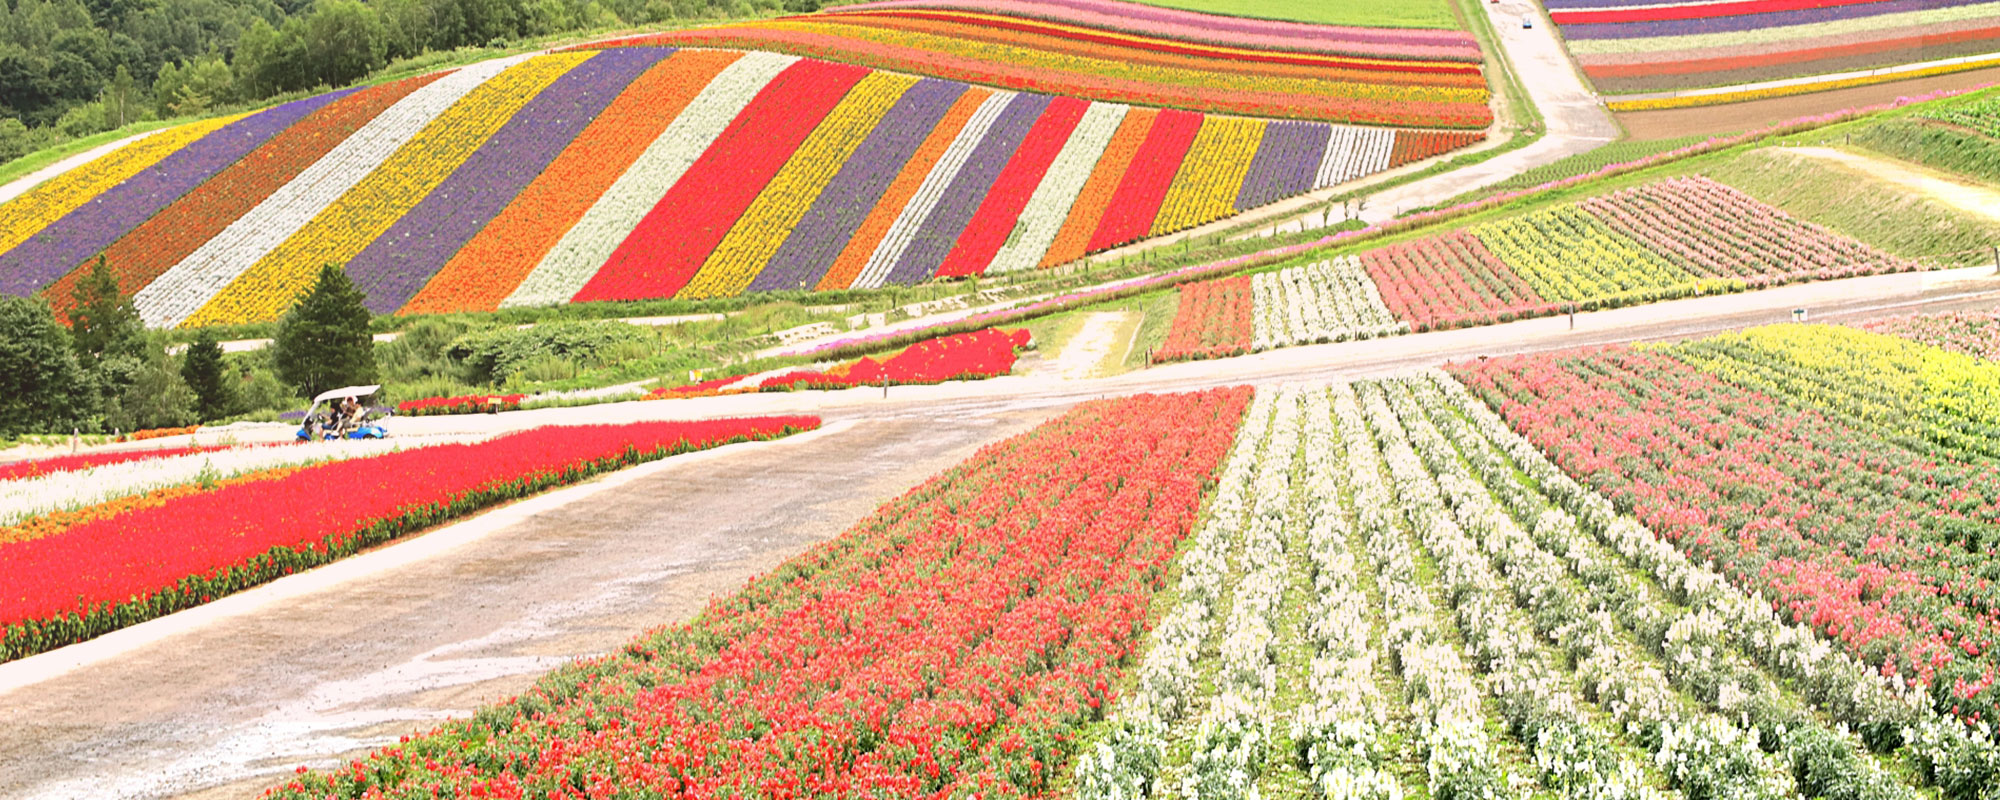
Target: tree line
(104,372)
(72,68)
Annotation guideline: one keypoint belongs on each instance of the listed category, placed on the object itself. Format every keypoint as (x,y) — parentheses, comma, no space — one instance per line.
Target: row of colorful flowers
(1628,48)
(110,571)
(993,47)
(1974,333)
(956,642)
(1841,475)
(1664,240)
(988,353)
(461,404)
(646,172)
(1534,626)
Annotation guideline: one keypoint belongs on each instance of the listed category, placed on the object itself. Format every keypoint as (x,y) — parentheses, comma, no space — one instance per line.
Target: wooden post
(1572,316)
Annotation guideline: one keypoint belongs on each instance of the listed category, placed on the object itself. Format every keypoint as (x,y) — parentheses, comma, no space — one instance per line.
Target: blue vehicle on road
(345,416)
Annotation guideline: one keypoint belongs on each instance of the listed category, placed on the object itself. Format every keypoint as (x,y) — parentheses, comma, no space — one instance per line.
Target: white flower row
(1338,731)
(25,498)
(1125,764)
(1353,152)
(911,218)
(1443,695)
(569,265)
(1328,301)
(1231,743)
(185,287)
(1049,206)
(1449,507)
(1885,710)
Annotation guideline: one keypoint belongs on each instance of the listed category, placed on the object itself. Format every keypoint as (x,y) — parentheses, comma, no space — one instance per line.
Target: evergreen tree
(103,323)
(41,387)
(323,342)
(202,369)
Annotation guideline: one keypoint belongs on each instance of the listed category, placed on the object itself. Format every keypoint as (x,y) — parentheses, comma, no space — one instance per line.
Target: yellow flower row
(345,227)
(750,243)
(1786,91)
(41,206)
(1567,255)
(1210,176)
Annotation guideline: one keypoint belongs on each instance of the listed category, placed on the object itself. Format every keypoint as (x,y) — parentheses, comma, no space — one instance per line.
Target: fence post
(1996,259)
(1572,316)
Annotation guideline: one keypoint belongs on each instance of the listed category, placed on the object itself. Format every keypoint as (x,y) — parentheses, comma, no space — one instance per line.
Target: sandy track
(1734,117)
(1976,199)
(222,701)
(1084,352)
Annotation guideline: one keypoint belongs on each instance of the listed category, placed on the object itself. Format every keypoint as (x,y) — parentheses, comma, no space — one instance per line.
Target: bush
(492,357)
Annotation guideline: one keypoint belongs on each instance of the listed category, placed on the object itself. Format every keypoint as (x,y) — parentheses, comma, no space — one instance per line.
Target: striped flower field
(1629,47)
(1670,239)
(642,172)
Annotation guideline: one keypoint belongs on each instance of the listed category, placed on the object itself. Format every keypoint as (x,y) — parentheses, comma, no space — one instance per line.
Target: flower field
(1630,48)
(1369,590)
(1118,52)
(987,353)
(643,171)
(1215,319)
(466,404)
(110,562)
(1970,332)
(1665,240)
(954,642)
(1844,477)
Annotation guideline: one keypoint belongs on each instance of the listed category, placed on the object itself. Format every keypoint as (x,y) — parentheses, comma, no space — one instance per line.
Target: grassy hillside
(1859,206)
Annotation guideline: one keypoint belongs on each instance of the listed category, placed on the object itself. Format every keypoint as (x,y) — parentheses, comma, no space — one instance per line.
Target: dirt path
(1734,117)
(1084,353)
(1575,118)
(224,700)
(1972,198)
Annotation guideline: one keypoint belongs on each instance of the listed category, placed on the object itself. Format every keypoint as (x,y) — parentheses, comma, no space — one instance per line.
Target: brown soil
(1734,117)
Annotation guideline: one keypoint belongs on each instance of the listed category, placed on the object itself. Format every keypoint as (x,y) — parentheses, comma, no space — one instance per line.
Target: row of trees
(106,372)
(72,68)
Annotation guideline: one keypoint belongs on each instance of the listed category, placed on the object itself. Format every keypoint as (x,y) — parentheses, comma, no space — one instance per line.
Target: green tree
(323,342)
(42,388)
(202,368)
(147,392)
(103,321)
(13,139)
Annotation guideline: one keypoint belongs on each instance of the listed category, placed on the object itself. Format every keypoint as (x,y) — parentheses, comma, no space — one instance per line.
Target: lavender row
(1286,161)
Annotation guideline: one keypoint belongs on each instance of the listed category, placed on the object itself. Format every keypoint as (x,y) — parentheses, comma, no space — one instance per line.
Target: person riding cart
(345,417)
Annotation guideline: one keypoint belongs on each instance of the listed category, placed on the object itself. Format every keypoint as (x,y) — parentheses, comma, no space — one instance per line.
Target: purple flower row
(1287,159)
(941,228)
(809,251)
(395,266)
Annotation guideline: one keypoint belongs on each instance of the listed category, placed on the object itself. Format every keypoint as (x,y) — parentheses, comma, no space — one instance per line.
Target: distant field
(1368,13)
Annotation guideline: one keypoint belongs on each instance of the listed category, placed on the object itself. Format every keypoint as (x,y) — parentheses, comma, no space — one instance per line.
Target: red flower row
(465,404)
(986,353)
(952,644)
(126,568)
